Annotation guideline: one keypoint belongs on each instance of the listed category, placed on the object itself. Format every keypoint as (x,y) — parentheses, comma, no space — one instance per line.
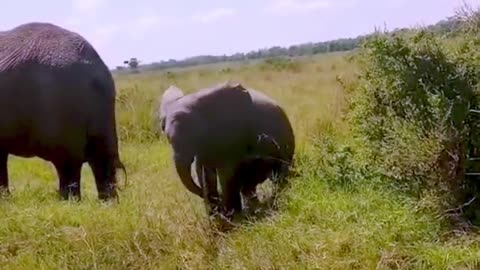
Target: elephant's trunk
(183,166)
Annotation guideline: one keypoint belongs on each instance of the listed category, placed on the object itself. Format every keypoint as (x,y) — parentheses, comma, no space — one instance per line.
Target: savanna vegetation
(384,134)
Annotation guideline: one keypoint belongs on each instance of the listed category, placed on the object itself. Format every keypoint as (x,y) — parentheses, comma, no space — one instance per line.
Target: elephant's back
(54,90)
(222,98)
(272,120)
(225,106)
(45,44)
(224,111)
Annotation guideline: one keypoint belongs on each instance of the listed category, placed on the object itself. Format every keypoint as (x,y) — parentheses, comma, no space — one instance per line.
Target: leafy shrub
(336,159)
(411,112)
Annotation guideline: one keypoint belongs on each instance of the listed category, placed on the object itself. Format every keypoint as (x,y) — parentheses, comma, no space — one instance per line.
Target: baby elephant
(270,157)
(238,134)
(213,126)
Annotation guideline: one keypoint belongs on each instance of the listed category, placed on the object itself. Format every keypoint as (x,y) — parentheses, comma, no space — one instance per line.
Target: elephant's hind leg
(105,178)
(3,174)
(69,178)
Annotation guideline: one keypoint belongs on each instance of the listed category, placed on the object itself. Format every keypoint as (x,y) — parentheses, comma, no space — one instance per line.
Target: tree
(132,63)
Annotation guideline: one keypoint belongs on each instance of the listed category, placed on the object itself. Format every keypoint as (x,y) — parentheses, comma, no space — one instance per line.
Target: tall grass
(159,225)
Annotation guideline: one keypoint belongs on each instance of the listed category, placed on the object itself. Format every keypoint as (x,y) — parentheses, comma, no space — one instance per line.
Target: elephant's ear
(172,93)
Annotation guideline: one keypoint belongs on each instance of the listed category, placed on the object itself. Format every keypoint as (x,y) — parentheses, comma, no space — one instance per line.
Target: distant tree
(132,63)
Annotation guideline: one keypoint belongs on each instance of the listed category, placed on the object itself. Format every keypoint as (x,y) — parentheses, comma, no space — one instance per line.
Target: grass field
(159,225)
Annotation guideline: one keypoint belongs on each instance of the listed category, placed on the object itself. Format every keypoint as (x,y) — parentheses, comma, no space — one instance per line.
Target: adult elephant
(57,102)
(243,127)
(213,126)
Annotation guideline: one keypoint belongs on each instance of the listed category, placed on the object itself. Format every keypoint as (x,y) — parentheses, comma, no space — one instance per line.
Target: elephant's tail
(119,165)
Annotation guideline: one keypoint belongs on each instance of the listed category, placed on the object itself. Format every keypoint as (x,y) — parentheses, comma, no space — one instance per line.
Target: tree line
(449,27)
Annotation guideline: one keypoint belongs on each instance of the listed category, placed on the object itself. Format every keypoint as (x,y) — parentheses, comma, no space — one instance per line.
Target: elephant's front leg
(232,201)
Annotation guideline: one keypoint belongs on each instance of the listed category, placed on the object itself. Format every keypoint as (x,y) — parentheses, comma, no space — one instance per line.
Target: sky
(155,30)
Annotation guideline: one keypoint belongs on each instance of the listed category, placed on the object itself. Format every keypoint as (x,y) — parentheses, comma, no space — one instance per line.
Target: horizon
(121,30)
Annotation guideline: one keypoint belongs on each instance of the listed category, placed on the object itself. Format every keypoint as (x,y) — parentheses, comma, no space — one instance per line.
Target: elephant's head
(170,95)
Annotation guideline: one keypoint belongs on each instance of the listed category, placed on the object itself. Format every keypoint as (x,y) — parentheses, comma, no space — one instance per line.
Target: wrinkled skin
(275,136)
(272,153)
(57,100)
(245,142)
(196,127)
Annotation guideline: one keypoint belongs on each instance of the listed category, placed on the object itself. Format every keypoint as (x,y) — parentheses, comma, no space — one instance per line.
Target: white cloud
(148,21)
(88,6)
(103,36)
(286,7)
(143,25)
(214,15)
(297,6)
(396,3)
(73,22)
(106,31)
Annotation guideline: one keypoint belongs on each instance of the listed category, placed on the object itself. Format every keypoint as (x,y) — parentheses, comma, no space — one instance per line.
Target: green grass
(159,225)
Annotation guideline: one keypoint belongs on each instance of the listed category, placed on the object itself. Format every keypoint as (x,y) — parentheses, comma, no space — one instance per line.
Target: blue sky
(152,30)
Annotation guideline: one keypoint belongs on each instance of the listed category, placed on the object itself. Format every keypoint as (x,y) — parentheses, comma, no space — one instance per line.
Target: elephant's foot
(229,214)
(213,210)
(221,220)
(226,219)
(214,200)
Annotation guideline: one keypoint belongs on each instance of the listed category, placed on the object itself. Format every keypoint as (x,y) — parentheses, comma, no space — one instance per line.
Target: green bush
(410,112)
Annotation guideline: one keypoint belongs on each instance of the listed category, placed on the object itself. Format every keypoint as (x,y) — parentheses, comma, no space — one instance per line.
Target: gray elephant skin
(213,127)
(239,134)
(271,156)
(57,102)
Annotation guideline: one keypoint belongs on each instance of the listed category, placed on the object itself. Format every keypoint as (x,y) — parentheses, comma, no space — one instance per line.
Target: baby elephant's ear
(237,86)
(172,93)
